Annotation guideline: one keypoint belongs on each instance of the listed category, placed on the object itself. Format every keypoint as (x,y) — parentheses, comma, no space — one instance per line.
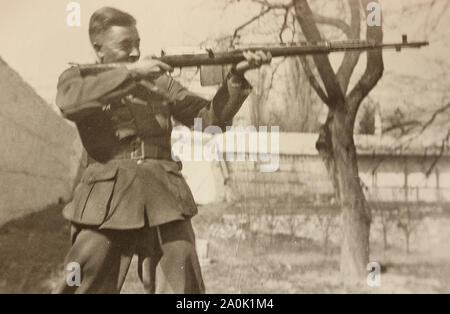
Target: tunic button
(139,162)
(91,179)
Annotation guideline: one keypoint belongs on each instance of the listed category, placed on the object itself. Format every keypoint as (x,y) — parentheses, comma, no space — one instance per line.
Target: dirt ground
(32,250)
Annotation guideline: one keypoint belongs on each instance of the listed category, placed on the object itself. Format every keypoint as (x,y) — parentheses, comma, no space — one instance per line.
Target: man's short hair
(104,18)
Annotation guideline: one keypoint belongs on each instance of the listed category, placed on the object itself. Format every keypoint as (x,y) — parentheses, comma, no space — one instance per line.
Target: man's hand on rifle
(254,59)
(149,68)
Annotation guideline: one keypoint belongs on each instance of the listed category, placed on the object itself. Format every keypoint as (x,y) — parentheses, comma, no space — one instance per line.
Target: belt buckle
(138,149)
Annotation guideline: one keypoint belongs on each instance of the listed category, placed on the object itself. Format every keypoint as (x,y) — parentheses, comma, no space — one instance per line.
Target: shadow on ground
(32,250)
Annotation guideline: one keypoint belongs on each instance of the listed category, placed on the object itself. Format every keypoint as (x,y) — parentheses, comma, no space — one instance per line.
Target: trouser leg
(104,257)
(149,254)
(171,265)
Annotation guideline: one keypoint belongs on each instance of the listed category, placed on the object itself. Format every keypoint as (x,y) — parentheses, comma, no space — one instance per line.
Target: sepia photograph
(225,147)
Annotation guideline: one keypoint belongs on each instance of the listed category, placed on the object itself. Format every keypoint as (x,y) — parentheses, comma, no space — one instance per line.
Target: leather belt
(137,148)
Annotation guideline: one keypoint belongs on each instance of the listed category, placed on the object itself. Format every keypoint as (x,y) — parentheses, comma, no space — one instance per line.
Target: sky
(37,42)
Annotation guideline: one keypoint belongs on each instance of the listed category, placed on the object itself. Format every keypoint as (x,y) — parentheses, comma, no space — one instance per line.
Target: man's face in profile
(118,44)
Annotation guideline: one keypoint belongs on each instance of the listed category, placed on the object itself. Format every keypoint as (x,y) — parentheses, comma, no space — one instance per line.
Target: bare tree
(332,86)
(335,143)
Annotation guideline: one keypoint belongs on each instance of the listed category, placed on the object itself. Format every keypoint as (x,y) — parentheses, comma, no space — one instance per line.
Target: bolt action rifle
(235,55)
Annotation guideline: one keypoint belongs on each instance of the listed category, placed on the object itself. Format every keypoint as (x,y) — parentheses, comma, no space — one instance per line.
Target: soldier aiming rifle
(132,198)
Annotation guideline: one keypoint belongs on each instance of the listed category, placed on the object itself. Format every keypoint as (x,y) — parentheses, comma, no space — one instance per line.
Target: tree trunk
(335,143)
(337,149)
(355,212)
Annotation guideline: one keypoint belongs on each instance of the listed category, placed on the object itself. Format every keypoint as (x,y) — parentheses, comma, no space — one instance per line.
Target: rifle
(235,55)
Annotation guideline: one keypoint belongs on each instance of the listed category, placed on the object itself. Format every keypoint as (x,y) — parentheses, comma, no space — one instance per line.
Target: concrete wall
(39,151)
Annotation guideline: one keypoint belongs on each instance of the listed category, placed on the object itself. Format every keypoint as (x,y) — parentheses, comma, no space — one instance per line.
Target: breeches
(167,260)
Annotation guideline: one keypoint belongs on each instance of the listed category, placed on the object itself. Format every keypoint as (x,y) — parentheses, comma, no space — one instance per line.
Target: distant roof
(305,144)
(412,145)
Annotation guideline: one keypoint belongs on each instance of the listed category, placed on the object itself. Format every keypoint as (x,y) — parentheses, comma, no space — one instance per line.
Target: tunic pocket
(96,192)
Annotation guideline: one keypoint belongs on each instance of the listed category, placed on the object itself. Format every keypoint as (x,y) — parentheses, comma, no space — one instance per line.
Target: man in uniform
(132,198)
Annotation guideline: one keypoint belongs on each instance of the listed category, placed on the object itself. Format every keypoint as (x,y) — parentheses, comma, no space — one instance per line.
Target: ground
(32,250)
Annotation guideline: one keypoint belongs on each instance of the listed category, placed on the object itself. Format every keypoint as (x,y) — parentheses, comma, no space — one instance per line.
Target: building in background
(416,174)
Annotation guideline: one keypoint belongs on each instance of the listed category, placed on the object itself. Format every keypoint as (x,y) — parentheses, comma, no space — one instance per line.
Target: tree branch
(338,23)
(350,60)
(312,80)
(268,7)
(442,150)
(404,126)
(434,116)
(242,26)
(283,26)
(306,20)
(267,4)
(373,73)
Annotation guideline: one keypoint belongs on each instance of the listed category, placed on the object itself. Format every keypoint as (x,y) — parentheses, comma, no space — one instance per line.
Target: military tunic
(132,198)
(125,127)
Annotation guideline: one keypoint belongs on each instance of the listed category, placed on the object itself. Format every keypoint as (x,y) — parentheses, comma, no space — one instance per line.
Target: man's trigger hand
(149,68)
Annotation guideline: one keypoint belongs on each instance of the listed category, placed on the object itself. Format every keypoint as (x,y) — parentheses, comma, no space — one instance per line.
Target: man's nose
(135,53)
